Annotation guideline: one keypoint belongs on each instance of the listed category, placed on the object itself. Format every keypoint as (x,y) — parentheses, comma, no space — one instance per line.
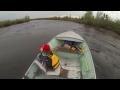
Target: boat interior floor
(68,68)
(72,66)
(69,64)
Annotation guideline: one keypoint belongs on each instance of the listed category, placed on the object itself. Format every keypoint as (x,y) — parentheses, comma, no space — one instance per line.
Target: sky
(9,15)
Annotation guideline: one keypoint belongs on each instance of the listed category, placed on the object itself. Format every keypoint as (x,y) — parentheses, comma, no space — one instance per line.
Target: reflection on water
(19,45)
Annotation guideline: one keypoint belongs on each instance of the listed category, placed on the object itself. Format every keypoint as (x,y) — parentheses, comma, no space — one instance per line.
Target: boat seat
(48,72)
(43,68)
(67,50)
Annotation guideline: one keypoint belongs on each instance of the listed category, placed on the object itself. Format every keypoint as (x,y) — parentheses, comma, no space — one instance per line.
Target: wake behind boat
(75,61)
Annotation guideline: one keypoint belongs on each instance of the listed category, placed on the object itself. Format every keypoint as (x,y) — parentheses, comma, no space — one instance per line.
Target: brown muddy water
(19,45)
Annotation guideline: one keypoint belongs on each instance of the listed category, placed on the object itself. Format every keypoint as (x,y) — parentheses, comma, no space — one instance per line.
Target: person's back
(55,60)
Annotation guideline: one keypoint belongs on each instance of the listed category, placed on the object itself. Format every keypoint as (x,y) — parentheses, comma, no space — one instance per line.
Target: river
(19,45)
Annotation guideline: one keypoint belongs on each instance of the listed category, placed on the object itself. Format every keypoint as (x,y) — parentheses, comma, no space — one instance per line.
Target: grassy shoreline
(14,22)
(100,21)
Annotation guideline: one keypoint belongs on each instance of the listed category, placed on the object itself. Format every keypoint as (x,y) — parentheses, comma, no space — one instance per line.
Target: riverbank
(102,30)
(109,28)
(100,21)
(13,22)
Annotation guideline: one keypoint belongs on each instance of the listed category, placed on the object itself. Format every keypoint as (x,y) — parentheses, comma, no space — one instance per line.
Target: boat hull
(74,64)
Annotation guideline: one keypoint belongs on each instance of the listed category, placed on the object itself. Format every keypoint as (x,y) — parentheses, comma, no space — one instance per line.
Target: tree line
(101,20)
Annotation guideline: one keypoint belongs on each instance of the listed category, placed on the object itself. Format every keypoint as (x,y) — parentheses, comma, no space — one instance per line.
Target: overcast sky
(5,15)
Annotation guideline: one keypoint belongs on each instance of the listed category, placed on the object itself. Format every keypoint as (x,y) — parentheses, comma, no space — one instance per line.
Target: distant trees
(101,20)
(87,18)
(27,18)
(100,15)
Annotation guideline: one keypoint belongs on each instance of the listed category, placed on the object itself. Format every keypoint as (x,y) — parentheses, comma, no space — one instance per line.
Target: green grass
(13,22)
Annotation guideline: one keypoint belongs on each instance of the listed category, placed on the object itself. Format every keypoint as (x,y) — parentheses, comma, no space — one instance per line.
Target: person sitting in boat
(47,56)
